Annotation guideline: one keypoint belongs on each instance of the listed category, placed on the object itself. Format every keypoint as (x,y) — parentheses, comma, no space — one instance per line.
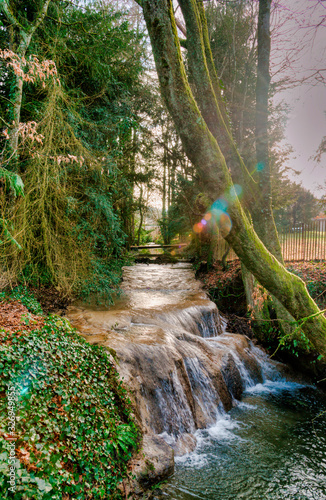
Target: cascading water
(185,372)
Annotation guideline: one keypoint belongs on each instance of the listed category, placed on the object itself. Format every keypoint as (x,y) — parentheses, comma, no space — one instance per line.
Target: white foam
(245,406)
(222,429)
(195,460)
(274,387)
(168,438)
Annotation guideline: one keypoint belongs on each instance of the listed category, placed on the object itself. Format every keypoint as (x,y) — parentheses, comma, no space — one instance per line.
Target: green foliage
(12,181)
(144,237)
(75,430)
(6,234)
(13,185)
(73,220)
(296,344)
(103,283)
(23,295)
(294,206)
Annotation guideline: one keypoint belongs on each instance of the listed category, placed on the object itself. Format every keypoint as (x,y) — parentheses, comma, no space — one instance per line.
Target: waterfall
(183,369)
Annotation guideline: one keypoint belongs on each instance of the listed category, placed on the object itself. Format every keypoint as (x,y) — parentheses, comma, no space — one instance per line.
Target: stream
(268,447)
(239,425)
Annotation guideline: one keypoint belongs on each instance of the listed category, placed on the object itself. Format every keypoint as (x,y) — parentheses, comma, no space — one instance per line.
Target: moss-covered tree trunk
(205,153)
(261,207)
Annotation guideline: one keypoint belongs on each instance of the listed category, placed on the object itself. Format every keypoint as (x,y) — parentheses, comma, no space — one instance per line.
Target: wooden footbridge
(177,246)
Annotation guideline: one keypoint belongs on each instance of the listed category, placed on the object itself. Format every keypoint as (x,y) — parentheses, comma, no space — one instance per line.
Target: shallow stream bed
(184,371)
(271,446)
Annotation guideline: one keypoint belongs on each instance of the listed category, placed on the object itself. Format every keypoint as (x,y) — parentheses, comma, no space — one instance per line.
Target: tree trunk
(17,103)
(205,153)
(261,210)
(24,37)
(141,215)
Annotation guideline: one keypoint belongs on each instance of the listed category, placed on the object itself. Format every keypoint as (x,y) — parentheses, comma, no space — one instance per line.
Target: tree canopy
(87,140)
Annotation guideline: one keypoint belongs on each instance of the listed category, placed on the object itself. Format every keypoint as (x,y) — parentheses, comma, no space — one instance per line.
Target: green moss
(149,465)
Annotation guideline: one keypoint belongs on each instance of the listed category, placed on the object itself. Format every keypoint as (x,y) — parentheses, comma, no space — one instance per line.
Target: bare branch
(181,27)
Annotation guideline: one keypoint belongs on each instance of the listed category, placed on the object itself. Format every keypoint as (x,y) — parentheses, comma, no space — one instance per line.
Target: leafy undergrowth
(225,287)
(74,429)
(314,275)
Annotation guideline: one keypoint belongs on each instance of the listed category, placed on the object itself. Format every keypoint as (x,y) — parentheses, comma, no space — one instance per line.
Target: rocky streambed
(182,367)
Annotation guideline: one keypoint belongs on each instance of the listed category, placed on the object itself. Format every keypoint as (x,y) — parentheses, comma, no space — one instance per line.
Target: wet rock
(155,462)
(232,377)
(185,444)
(181,373)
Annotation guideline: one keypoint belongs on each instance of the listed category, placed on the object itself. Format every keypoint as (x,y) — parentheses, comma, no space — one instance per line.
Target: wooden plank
(149,247)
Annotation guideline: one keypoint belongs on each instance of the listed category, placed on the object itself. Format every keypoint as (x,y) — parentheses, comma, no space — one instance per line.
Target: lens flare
(220,204)
(198,228)
(225,224)
(235,192)
(219,211)
(260,166)
(208,216)
(203,222)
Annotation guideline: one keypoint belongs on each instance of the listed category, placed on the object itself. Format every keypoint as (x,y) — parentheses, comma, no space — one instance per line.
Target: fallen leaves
(15,317)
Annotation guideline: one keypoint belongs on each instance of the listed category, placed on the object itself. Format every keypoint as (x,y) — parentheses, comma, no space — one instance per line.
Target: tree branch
(58,21)
(6,99)
(11,18)
(39,18)
(181,27)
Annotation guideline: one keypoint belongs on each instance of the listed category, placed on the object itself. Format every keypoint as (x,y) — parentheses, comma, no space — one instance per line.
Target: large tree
(71,224)
(205,132)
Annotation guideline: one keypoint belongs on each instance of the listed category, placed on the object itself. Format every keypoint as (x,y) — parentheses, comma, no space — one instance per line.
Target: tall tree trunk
(261,209)
(205,153)
(24,37)
(141,215)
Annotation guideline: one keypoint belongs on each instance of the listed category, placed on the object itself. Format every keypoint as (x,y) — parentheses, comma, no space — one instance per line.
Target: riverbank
(225,288)
(174,324)
(226,284)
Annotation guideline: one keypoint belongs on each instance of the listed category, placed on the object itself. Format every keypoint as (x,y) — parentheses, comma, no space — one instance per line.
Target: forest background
(88,151)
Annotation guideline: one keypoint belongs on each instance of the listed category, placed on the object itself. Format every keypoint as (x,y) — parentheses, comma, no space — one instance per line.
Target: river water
(186,371)
(272,445)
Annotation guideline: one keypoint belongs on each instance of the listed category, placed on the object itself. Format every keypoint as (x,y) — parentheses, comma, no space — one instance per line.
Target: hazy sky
(306,49)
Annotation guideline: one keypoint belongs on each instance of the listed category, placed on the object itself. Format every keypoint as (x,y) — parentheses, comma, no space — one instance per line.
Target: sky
(296,38)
